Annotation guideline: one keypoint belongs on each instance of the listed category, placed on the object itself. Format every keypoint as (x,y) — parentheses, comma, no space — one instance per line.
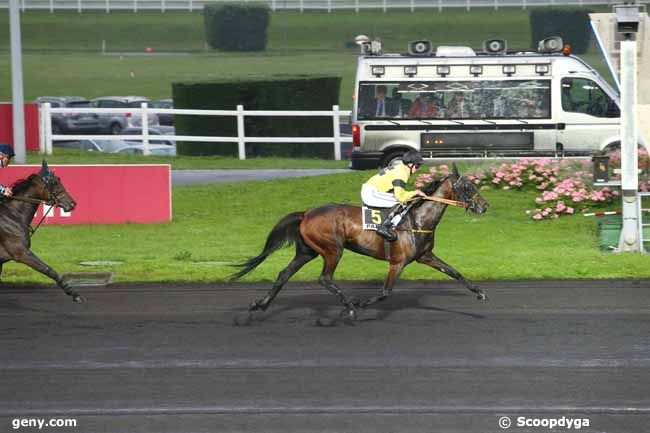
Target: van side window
(478,99)
(580,95)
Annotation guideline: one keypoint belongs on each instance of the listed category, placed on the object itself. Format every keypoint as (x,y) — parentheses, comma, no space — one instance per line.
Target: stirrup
(388,233)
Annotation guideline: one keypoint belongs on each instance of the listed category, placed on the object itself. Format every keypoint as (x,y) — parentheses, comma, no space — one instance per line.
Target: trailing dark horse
(328,230)
(17,213)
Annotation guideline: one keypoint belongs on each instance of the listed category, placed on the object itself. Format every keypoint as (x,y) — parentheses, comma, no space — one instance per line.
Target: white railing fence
(46,136)
(301,5)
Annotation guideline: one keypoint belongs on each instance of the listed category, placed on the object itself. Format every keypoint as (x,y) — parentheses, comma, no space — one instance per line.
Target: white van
(457,102)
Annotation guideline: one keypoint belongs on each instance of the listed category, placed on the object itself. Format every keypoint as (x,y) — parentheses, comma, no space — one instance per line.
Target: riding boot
(385,229)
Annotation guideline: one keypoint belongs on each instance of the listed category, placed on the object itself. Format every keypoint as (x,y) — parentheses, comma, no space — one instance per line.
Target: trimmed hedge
(270,93)
(572,24)
(236,27)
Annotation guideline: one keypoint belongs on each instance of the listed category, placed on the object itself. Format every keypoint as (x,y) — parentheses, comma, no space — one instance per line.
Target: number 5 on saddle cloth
(372,217)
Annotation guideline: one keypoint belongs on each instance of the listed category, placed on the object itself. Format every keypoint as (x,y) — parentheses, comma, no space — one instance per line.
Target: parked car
(160,130)
(93,145)
(115,123)
(154,149)
(164,119)
(71,123)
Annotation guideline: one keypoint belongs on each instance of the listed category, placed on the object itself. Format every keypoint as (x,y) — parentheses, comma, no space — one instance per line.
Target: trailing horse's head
(53,191)
(464,190)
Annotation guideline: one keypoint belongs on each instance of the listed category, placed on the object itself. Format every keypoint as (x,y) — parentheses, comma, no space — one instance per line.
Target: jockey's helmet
(413,157)
(6,150)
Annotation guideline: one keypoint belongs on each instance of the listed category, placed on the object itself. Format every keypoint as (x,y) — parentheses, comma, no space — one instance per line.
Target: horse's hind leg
(393,274)
(431,260)
(304,254)
(327,280)
(30,259)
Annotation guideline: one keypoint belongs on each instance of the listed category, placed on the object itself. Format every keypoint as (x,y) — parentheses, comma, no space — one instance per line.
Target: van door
(589,115)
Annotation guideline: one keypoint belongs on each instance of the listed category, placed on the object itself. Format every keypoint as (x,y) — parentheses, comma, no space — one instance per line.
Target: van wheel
(116,128)
(392,157)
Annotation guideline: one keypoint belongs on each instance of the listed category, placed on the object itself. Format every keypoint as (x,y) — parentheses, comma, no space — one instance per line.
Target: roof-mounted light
(509,70)
(378,71)
(542,69)
(410,71)
(476,70)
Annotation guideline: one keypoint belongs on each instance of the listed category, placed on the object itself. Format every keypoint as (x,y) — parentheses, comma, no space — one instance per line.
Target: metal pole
(629,240)
(17,98)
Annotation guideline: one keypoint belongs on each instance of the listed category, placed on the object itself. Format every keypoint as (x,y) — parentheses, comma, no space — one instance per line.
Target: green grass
(62,50)
(71,156)
(230,222)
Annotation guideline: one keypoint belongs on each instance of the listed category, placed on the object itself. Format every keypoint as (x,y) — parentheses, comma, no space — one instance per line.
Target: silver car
(114,123)
(71,123)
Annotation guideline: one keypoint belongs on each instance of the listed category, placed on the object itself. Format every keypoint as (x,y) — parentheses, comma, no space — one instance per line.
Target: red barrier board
(31,125)
(106,194)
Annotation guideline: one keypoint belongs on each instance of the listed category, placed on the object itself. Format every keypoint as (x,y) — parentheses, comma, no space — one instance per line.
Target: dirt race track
(171,358)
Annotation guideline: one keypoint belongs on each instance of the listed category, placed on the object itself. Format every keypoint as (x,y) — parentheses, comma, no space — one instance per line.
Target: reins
(50,205)
(446,201)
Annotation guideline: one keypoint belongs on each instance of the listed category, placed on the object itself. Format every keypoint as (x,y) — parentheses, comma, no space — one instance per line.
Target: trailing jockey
(387,189)
(6,153)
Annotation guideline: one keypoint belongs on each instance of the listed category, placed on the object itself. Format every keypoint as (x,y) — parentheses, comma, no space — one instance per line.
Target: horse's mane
(432,186)
(19,186)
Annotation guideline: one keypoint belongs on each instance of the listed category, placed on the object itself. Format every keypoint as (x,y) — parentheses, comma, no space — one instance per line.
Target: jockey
(388,188)
(6,153)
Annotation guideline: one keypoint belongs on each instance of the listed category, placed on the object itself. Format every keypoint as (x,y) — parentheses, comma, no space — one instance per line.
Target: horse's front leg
(431,260)
(393,274)
(30,259)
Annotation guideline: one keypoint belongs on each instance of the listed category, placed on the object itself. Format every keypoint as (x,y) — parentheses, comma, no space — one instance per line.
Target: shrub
(572,24)
(270,93)
(236,27)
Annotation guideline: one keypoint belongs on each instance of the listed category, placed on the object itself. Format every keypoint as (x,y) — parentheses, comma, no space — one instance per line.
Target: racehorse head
(51,190)
(465,191)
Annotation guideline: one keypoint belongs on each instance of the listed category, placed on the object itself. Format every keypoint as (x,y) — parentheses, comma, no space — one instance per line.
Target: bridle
(51,202)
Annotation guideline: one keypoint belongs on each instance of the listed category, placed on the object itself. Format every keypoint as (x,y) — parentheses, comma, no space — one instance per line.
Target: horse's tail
(285,232)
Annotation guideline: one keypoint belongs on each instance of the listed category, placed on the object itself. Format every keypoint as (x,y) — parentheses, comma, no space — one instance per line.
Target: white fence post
(241,136)
(48,128)
(412,6)
(51,6)
(41,130)
(79,6)
(302,6)
(336,119)
(145,129)
(356,6)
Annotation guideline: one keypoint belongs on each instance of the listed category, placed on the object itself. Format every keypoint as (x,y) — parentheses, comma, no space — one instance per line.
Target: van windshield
(489,99)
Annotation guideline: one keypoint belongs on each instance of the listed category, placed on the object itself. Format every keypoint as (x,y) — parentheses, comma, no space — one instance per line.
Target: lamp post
(17,99)
(627,17)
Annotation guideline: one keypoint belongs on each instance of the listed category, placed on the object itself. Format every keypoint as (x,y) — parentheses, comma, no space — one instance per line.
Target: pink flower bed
(566,188)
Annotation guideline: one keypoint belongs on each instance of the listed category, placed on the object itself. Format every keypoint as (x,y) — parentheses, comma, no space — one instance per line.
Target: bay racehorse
(17,213)
(328,230)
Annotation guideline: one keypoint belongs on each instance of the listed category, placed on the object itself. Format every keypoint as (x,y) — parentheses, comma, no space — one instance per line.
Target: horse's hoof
(482,297)
(255,306)
(78,299)
(349,315)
